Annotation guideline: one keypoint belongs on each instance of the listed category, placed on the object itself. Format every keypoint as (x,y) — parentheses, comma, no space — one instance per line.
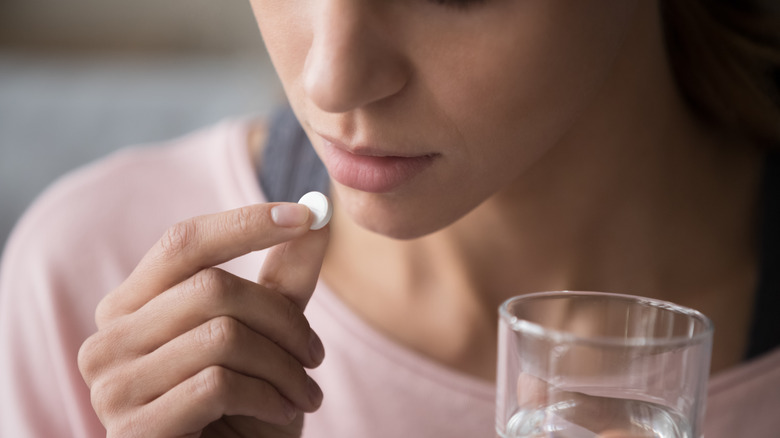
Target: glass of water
(592,364)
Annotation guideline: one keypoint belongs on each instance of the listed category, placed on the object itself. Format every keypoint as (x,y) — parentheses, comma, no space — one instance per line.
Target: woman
(476,150)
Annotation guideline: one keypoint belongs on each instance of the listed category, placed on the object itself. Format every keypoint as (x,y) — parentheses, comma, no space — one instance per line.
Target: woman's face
(423,109)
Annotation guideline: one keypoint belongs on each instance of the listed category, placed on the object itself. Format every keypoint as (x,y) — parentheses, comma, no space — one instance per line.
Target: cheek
(515,91)
(284,26)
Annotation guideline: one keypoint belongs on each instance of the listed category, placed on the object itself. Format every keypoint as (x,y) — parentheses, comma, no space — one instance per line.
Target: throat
(428,308)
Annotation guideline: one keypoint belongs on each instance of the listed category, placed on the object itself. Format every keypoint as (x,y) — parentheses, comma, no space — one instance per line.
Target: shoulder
(112,210)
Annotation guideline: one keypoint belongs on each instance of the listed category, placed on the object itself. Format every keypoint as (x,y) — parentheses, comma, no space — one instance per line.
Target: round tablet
(320,207)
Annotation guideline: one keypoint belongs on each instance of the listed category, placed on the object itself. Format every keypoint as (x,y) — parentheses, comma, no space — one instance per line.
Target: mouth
(371,169)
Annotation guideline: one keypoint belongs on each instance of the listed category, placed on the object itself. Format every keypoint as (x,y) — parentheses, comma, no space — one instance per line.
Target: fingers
(208,295)
(294,266)
(227,343)
(204,241)
(212,293)
(206,397)
(221,367)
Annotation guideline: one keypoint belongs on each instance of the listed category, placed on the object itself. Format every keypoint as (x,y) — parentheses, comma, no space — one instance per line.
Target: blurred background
(81,78)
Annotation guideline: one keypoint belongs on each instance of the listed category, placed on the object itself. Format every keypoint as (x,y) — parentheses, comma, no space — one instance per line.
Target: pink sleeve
(48,293)
(79,241)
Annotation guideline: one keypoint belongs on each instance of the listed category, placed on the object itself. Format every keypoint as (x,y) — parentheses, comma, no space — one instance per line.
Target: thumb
(293,267)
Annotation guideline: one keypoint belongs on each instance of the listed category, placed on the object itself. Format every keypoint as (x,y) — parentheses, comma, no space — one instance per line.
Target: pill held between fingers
(320,207)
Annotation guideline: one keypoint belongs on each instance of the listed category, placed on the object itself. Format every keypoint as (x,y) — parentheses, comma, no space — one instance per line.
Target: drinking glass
(593,364)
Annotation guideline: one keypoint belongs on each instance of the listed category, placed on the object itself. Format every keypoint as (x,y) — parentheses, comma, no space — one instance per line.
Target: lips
(371,170)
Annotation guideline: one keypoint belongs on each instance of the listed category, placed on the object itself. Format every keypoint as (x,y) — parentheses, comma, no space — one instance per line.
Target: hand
(186,349)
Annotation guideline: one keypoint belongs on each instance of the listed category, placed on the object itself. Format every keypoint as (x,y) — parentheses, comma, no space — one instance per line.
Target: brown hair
(726,58)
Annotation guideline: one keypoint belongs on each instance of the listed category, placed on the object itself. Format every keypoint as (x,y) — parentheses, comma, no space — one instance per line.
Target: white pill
(320,207)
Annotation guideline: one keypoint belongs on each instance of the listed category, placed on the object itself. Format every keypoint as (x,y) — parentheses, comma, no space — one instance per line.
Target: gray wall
(164,25)
(80,79)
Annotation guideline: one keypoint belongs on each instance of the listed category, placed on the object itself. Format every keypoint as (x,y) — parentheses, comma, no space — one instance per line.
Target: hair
(725,55)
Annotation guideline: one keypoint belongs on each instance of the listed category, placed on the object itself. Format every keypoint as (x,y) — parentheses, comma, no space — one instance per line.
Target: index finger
(202,242)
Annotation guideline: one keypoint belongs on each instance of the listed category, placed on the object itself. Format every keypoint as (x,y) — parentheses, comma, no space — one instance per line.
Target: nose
(352,62)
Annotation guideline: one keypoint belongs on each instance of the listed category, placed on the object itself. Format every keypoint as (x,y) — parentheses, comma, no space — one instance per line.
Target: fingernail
(315,393)
(316,350)
(290,215)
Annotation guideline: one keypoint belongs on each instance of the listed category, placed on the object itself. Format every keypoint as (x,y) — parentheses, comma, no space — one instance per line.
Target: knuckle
(87,359)
(211,284)
(132,424)
(219,331)
(103,394)
(97,355)
(241,220)
(210,383)
(236,222)
(108,309)
(178,238)
(103,311)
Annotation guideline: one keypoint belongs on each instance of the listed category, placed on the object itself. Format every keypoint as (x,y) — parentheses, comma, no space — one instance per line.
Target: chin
(398,218)
(405,231)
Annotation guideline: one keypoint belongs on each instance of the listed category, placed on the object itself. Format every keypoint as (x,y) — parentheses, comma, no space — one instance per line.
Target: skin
(563,158)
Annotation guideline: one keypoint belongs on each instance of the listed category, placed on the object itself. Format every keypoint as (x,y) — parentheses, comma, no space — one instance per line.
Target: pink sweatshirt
(85,234)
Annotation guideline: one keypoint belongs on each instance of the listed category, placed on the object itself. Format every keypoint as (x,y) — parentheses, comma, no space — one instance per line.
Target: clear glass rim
(555,335)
